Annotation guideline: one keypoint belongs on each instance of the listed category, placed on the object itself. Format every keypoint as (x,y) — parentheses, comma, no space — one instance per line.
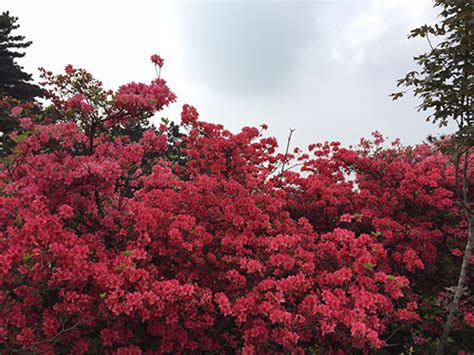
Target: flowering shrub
(124,243)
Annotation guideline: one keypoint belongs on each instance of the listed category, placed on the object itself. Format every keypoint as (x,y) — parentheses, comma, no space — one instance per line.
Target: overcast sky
(324,68)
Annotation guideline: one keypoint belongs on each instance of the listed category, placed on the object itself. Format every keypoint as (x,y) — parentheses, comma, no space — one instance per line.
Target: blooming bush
(120,238)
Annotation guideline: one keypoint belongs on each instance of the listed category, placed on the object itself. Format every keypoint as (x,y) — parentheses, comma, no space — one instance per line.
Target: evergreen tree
(14,81)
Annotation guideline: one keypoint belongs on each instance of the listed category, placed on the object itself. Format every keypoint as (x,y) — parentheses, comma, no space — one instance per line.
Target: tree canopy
(14,81)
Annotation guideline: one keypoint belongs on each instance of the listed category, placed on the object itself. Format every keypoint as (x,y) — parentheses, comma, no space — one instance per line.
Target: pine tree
(14,81)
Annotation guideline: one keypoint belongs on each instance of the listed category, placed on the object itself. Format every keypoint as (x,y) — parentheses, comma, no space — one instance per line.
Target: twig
(286,153)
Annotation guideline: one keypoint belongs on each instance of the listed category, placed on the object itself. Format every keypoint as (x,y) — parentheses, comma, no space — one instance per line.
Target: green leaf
(128,252)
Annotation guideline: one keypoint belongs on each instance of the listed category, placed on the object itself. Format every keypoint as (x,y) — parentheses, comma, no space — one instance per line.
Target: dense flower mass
(117,237)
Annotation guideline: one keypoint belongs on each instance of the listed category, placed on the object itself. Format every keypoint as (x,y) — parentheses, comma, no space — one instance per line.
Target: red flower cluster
(136,98)
(111,245)
(157,60)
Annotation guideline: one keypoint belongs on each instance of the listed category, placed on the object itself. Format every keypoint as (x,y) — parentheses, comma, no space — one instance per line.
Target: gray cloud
(244,48)
(337,82)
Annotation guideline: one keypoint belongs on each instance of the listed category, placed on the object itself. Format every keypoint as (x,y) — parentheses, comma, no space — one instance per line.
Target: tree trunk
(453,307)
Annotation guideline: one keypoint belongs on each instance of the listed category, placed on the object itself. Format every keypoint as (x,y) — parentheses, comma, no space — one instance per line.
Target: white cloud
(351,43)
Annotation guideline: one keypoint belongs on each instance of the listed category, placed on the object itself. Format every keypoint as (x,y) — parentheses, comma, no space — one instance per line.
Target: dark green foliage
(7,125)
(175,151)
(13,80)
